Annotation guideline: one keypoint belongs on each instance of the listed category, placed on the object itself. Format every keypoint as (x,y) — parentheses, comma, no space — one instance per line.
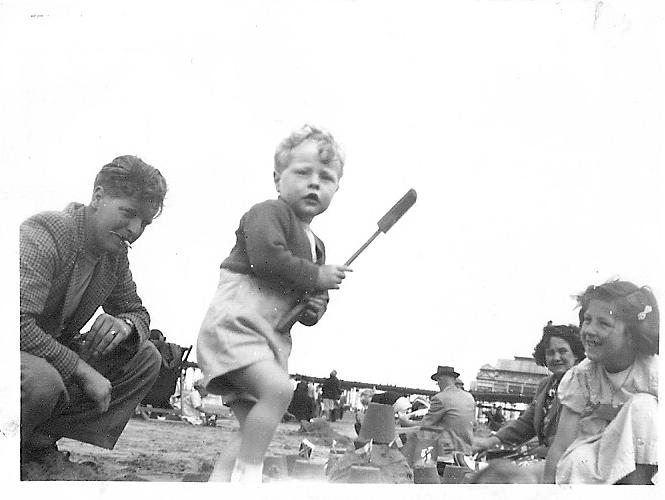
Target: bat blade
(399,209)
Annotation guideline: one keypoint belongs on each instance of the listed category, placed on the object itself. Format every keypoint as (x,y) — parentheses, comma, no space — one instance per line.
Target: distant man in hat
(86,384)
(452,410)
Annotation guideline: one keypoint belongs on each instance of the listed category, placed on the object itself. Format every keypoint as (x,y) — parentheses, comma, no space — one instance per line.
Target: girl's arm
(566,433)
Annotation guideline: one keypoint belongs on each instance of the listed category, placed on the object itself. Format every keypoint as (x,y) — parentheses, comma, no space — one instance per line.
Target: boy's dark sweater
(271,244)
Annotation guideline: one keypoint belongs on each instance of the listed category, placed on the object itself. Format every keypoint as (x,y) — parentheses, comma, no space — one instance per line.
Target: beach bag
(169,373)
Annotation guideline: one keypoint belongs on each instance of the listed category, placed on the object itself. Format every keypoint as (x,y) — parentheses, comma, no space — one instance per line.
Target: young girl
(608,427)
(276,262)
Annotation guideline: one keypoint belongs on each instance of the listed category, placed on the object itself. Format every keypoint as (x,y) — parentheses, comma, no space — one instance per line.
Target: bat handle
(362,248)
(290,318)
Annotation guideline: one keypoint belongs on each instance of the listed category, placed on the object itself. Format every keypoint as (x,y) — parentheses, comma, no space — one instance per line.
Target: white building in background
(510,384)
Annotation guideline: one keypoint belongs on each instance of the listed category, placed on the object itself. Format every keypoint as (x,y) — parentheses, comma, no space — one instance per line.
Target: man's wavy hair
(635,306)
(329,151)
(569,333)
(131,177)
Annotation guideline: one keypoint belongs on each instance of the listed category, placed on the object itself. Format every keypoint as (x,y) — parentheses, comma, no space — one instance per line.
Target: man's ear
(276,176)
(97,196)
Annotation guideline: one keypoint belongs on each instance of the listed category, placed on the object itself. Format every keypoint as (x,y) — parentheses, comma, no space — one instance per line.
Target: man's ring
(113,332)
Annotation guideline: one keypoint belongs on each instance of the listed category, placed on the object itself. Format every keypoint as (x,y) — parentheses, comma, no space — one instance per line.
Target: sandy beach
(165,450)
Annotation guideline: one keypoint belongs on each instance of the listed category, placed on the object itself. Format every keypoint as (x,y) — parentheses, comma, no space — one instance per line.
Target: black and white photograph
(321,248)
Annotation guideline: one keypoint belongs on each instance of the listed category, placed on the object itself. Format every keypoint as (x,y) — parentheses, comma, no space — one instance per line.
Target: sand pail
(414,447)
(454,474)
(275,466)
(333,457)
(290,461)
(426,474)
(309,469)
(379,424)
(364,474)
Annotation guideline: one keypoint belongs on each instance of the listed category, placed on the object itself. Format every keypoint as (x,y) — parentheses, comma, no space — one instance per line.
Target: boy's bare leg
(269,383)
(226,460)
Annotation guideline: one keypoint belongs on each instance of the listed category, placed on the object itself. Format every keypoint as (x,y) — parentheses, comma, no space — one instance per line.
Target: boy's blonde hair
(329,151)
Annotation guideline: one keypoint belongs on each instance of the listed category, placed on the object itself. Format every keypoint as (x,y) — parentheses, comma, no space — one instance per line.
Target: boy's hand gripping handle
(385,223)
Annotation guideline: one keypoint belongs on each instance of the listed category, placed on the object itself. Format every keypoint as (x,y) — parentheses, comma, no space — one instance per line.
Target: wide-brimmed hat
(445,370)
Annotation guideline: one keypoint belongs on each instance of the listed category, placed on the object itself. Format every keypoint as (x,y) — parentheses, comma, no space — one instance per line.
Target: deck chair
(158,399)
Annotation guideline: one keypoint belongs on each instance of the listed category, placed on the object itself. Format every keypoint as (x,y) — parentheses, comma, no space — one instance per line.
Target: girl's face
(605,338)
(306,184)
(559,357)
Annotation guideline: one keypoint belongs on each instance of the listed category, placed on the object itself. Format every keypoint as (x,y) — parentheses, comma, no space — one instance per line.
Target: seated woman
(608,426)
(559,349)
(302,404)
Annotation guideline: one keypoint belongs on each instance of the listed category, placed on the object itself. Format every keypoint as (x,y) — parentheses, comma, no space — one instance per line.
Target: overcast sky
(532,132)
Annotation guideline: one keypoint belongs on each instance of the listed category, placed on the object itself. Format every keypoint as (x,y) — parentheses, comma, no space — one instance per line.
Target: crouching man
(85,385)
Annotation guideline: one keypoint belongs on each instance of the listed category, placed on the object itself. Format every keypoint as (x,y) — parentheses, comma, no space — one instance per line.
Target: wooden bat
(385,223)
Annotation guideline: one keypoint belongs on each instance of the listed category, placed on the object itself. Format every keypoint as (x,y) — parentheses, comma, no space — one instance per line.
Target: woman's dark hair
(569,333)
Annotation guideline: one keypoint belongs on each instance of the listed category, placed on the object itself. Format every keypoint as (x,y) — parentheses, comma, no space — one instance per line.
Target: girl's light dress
(607,450)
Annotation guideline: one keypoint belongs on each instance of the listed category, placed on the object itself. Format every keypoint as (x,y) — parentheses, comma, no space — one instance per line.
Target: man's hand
(93,384)
(104,336)
(314,308)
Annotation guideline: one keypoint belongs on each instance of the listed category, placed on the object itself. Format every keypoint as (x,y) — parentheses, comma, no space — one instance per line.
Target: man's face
(306,184)
(444,381)
(114,220)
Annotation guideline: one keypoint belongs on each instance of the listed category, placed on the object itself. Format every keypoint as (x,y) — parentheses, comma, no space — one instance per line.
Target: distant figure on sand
(276,263)
(331,392)
(452,410)
(193,411)
(86,385)
(302,405)
(495,418)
